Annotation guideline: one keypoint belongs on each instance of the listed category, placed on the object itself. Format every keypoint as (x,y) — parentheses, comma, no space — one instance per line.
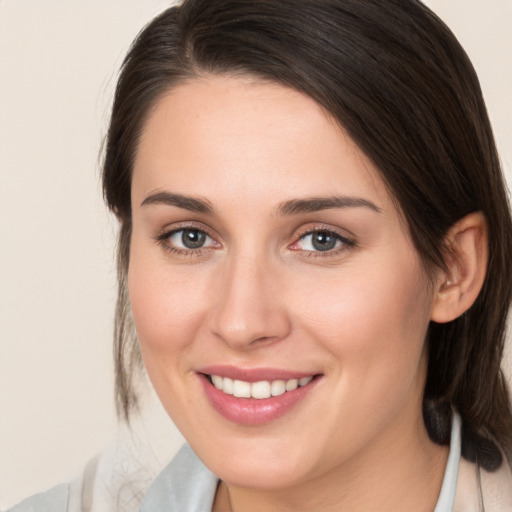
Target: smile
(258,396)
(258,390)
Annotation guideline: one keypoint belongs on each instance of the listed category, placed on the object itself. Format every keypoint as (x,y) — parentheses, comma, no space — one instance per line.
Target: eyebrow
(292,207)
(314,204)
(192,204)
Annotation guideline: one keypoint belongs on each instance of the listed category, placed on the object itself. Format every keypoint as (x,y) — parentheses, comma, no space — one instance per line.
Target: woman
(314,241)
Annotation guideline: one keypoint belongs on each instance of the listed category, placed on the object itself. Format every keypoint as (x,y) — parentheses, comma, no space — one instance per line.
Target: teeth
(292,384)
(278,387)
(241,389)
(305,380)
(227,385)
(217,381)
(258,390)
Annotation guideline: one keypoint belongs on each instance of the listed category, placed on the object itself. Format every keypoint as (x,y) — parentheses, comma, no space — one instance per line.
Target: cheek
(373,321)
(167,309)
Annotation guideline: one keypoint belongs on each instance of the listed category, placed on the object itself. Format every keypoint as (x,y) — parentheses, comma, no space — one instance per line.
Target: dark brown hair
(400,84)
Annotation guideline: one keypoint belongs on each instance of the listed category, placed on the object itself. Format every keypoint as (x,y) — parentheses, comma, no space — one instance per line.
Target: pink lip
(253,374)
(251,411)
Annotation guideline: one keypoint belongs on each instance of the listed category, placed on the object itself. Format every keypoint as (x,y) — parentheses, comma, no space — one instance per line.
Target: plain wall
(58,62)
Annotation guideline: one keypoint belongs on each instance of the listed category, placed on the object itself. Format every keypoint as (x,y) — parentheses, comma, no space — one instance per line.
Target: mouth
(258,390)
(253,398)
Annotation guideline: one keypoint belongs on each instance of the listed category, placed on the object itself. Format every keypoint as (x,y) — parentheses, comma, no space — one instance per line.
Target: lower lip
(252,411)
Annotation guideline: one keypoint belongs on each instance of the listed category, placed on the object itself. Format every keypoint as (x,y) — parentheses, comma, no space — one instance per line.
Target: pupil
(323,241)
(192,238)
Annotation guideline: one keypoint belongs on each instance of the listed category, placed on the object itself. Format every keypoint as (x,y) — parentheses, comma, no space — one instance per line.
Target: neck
(396,473)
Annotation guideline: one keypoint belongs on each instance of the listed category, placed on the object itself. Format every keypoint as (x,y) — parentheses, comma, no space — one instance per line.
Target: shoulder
(497,488)
(185,485)
(73,496)
(54,500)
(115,483)
(478,489)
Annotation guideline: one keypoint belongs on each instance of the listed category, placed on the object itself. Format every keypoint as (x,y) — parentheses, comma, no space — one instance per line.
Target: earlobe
(455,292)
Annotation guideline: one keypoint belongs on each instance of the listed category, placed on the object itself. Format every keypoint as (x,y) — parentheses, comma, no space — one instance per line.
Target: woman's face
(267,254)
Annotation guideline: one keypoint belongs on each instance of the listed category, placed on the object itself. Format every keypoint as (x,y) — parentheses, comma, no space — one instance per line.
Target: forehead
(248,135)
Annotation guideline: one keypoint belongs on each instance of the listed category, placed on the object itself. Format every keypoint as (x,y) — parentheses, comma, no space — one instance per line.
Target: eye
(321,241)
(187,239)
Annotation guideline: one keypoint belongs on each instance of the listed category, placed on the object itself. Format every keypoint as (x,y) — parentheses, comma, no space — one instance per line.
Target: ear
(466,262)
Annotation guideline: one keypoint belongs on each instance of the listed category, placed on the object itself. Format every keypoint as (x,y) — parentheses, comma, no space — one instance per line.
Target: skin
(258,294)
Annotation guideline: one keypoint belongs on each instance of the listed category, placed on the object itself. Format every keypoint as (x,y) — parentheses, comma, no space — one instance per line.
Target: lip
(251,411)
(254,374)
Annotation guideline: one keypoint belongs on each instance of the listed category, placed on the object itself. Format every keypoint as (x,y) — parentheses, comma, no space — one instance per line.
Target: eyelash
(345,242)
(164,238)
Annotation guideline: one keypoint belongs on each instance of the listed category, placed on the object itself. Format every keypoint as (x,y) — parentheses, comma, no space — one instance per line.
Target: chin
(258,463)
(257,474)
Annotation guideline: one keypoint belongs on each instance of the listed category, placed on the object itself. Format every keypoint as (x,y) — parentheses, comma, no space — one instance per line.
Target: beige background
(57,69)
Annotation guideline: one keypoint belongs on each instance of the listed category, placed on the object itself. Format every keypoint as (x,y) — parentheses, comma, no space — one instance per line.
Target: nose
(249,308)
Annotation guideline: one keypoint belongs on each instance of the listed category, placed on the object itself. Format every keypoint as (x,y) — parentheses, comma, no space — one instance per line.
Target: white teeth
(305,380)
(278,387)
(227,385)
(217,381)
(241,389)
(292,384)
(258,390)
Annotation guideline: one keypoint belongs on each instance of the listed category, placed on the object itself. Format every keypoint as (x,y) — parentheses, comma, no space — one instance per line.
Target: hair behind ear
(465,350)
(475,447)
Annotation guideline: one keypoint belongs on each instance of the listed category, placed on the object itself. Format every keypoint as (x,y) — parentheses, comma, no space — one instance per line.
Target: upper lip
(254,374)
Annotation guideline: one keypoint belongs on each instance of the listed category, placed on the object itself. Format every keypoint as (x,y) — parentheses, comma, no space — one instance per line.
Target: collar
(186,484)
(447,495)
